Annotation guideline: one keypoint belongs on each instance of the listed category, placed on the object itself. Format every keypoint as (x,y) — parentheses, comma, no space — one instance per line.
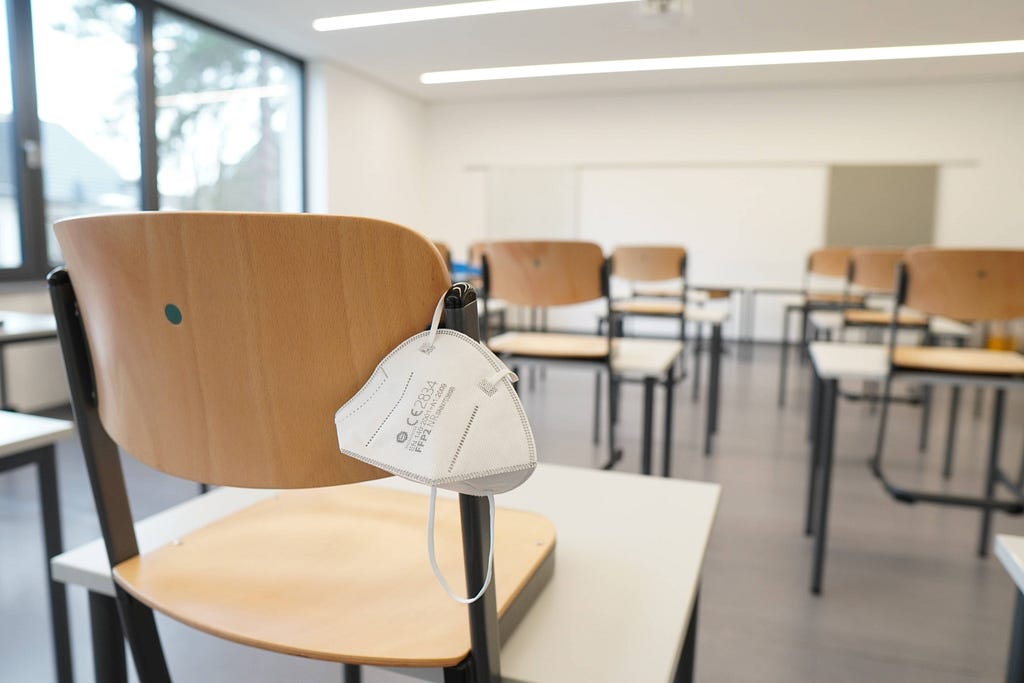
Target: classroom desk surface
(624,586)
(1010,551)
(22,327)
(940,327)
(20,433)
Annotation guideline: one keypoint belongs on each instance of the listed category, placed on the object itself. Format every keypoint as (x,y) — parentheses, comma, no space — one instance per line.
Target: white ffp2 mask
(440,409)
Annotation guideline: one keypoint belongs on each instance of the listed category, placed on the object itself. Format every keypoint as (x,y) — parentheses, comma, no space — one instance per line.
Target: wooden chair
(217,347)
(971,285)
(651,264)
(829,262)
(553,273)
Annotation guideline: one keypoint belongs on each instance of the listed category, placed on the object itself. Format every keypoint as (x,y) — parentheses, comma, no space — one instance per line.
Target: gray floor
(906,597)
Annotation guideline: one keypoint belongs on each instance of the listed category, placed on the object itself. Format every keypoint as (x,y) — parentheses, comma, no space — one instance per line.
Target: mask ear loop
(428,345)
(433,560)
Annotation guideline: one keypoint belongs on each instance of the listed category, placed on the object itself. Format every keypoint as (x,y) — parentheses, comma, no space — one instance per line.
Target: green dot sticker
(173,314)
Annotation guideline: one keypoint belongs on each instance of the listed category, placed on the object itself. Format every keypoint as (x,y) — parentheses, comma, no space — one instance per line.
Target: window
(89,125)
(228,121)
(10,221)
(217,126)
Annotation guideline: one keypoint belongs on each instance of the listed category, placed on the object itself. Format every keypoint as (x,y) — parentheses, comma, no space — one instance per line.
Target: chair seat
(869,316)
(834,298)
(646,357)
(959,361)
(642,307)
(338,574)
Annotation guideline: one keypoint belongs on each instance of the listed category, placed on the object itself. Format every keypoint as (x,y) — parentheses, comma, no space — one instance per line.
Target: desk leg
(684,669)
(826,438)
(698,342)
(714,385)
(926,417)
(107,639)
(992,474)
(804,347)
(670,390)
(50,501)
(812,409)
(1015,665)
(351,673)
(784,359)
(596,437)
(812,466)
(645,466)
(751,317)
(954,413)
(3,381)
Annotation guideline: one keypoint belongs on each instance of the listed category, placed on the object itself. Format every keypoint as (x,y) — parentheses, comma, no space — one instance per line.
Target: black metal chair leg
(993,469)
(954,413)
(107,640)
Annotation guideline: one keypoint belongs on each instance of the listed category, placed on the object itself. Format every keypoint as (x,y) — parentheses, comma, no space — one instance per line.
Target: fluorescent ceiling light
(865,54)
(458,9)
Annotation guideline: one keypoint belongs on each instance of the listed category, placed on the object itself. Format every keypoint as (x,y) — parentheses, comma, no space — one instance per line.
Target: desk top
(618,604)
(848,360)
(1010,551)
(26,326)
(937,325)
(20,433)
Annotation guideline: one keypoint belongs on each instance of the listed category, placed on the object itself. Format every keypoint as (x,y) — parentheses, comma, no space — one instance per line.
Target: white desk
(18,328)
(837,361)
(626,579)
(28,440)
(1010,551)
(831,322)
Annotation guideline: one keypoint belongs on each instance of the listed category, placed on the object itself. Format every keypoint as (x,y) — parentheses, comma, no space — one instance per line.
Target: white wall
(788,130)
(364,148)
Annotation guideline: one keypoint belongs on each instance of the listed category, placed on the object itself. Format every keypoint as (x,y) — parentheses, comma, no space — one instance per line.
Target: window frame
(26,125)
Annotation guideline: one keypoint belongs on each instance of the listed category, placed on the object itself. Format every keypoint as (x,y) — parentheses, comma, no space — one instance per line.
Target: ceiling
(396,55)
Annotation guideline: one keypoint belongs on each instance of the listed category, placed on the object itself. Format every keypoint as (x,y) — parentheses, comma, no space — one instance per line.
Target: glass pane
(86,62)
(10,222)
(228,121)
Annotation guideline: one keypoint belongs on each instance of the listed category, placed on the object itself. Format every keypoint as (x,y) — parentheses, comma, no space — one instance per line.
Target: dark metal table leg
(698,342)
(993,470)
(784,358)
(107,640)
(926,417)
(670,390)
(812,409)
(827,440)
(688,655)
(3,381)
(596,438)
(815,459)
(648,423)
(50,502)
(351,673)
(714,385)
(804,355)
(1015,665)
(954,413)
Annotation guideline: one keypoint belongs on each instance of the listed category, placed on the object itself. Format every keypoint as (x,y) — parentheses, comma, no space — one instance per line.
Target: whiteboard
(531,203)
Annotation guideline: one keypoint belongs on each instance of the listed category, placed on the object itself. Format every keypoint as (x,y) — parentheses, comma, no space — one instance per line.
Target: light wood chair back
(830,261)
(965,284)
(649,263)
(544,273)
(875,269)
(223,343)
(445,252)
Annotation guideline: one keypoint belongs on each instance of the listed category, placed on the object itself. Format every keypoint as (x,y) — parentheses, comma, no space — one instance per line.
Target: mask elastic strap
(428,345)
(433,560)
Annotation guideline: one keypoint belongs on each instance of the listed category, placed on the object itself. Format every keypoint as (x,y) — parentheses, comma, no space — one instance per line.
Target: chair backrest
(223,343)
(649,263)
(446,254)
(830,261)
(544,273)
(875,269)
(965,284)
